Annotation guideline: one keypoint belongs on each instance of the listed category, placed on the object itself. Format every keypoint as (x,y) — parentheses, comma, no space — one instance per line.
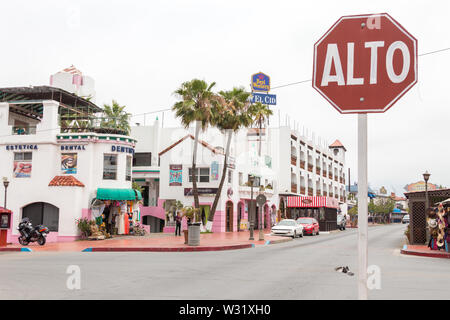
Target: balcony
(331,194)
(330,175)
(293,188)
(302,190)
(324,174)
(325,193)
(336,196)
(310,167)
(72,124)
(23,130)
(293,160)
(302,164)
(318,170)
(310,192)
(336,179)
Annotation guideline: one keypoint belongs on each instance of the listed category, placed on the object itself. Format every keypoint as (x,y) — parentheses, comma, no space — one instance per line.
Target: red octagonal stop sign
(365,63)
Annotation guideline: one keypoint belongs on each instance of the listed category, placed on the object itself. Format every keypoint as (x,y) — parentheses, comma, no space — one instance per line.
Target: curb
(430,254)
(277,241)
(158,249)
(16,250)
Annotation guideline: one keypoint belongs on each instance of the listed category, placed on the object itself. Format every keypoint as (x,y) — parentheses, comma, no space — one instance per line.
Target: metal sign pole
(362,207)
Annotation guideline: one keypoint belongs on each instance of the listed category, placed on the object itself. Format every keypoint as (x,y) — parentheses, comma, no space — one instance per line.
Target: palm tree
(116,118)
(260,113)
(197,105)
(230,116)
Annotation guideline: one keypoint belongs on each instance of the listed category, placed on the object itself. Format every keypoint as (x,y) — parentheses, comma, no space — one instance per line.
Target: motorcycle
(28,233)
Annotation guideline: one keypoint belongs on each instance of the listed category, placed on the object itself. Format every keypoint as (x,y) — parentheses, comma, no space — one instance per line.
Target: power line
(309,80)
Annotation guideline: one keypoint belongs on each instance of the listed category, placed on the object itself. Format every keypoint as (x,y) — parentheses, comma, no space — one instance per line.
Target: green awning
(117,194)
(138,194)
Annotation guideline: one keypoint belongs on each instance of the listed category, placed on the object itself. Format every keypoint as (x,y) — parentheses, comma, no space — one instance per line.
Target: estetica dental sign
(21,147)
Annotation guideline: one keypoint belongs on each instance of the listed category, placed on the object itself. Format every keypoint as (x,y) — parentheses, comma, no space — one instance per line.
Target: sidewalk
(424,251)
(158,243)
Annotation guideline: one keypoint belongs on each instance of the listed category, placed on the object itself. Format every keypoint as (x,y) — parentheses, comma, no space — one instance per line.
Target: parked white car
(288,227)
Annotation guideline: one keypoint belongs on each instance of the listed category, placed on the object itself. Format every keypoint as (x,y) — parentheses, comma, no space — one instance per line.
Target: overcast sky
(139,52)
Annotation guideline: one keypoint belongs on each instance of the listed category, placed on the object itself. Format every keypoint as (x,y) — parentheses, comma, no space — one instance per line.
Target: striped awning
(312,202)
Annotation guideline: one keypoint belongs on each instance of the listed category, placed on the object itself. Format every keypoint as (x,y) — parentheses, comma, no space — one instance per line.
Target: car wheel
(318,232)
(313,233)
(295,235)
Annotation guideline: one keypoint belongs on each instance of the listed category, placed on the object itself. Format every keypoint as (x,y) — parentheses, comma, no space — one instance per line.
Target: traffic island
(424,251)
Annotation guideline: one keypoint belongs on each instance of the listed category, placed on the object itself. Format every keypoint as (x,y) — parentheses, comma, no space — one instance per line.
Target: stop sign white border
(414,40)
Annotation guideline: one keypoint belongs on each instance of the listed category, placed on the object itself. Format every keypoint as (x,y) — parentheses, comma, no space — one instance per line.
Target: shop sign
(201,191)
(22,147)
(175,175)
(269,99)
(231,162)
(22,169)
(214,171)
(69,163)
(122,149)
(244,224)
(73,147)
(260,82)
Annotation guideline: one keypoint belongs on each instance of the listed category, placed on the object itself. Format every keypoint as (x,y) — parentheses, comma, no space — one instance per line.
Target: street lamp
(426,177)
(251,179)
(5,184)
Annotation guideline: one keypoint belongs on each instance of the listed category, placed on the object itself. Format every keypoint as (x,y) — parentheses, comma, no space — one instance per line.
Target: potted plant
(193,216)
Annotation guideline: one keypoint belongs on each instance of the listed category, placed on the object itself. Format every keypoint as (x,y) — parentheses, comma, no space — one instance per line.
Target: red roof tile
(337,144)
(65,181)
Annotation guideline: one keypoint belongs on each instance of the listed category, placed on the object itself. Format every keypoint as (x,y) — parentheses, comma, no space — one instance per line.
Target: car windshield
(286,223)
(406,216)
(305,221)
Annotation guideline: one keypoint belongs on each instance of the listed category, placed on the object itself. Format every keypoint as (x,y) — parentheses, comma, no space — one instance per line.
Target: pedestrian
(178,225)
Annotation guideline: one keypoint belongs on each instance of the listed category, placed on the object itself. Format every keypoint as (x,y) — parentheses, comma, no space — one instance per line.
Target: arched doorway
(42,213)
(229,217)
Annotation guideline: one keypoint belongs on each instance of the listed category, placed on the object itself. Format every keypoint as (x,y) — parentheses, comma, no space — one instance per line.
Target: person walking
(178,224)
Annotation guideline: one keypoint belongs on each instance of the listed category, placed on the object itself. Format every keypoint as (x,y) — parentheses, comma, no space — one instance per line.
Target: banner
(175,175)
(22,169)
(214,171)
(69,163)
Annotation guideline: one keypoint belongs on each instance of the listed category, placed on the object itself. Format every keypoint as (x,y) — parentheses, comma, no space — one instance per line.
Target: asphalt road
(299,269)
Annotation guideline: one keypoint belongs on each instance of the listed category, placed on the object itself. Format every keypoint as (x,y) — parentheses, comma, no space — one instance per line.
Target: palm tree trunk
(194,161)
(209,224)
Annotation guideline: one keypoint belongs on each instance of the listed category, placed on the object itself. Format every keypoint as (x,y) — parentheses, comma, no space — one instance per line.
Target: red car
(310,225)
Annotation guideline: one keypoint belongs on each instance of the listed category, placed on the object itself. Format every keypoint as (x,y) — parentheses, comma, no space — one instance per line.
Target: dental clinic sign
(365,63)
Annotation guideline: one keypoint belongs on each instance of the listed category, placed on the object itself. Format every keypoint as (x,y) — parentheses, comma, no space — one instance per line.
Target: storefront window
(128,169)
(109,167)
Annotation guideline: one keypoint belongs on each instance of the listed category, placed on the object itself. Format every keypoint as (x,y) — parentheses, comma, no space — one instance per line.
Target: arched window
(42,213)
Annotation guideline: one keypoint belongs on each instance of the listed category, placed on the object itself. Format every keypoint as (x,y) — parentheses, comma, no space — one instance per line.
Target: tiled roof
(65,181)
(337,144)
(72,70)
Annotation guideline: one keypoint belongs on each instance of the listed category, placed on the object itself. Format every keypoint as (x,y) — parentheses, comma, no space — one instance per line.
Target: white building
(290,165)
(72,80)
(55,171)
